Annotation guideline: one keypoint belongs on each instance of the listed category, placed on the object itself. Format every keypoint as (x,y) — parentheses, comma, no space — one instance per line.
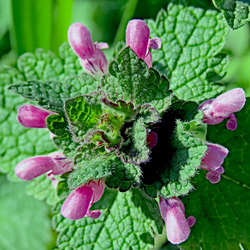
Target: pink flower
(137,38)
(30,116)
(33,167)
(91,57)
(173,212)
(78,203)
(212,161)
(223,107)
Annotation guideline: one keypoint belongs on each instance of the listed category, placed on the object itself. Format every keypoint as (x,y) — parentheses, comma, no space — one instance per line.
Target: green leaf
(124,175)
(62,137)
(83,113)
(135,148)
(17,209)
(42,189)
(222,210)
(178,153)
(236,12)
(95,168)
(57,125)
(119,107)
(193,34)
(128,221)
(50,95)
(131,80)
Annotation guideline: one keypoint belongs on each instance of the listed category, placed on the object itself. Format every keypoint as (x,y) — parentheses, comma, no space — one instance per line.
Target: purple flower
(137,38)
(33,167)
(173,212)
(30,116)
(78,203)
(223,107)
(91,57)
(212,161)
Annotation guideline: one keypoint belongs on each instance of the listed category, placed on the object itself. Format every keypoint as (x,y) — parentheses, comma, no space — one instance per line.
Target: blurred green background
(29,24)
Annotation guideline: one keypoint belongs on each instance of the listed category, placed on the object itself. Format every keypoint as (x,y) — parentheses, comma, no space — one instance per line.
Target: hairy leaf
(131,80)
(177,154)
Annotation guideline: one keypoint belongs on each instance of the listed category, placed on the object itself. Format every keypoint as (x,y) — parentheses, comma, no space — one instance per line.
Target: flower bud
(173,212)
(137,38)
(33,167)
(79,202)
(177,226)
(30,116)
(92,59)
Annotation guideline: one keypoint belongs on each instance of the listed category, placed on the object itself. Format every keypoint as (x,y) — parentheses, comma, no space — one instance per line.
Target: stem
(126,16)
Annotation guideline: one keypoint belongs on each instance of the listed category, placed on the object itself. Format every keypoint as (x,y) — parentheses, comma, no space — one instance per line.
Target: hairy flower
(223,107)
(91,57)
(33,167)
(137,38)
(30,116)
(78,203)
(212,161)
(177,226)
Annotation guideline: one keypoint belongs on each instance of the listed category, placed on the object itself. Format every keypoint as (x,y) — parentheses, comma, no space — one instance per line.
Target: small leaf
(236,12)
(95,168)
(131,80)
(57,125)
(83,113)
(134,149)
(177,154)
(50,95)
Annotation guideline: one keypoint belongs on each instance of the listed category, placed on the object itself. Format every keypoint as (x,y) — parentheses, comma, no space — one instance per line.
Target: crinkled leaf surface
(192,33)
(83,113)
(236,12)
(42,189)
(222,210)
(128,221)
(52,94)
(131,80)
(118,174)
(18,143)
(24,220)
